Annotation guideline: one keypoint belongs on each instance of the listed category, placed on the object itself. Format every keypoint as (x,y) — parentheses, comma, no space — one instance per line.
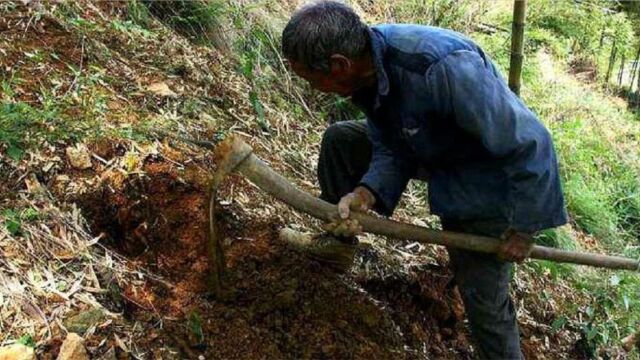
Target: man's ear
(340,64)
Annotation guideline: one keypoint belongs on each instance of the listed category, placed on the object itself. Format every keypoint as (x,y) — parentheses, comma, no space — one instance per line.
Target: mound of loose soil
(282,305)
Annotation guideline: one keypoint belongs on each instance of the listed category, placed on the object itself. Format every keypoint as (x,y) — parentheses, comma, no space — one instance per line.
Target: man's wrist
(512,233)
(366,195)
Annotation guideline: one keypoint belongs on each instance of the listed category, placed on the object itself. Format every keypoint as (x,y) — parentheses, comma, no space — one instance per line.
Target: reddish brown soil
(281,305)
(29,57)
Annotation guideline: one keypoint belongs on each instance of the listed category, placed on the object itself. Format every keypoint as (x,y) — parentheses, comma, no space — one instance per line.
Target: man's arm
(479,100)
(388,173)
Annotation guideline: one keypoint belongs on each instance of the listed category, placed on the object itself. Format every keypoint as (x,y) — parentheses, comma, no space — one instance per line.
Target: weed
(19,123)
(138,13)
(199,21)
(131,28)
(558,238)
(195,325)
(59,117)
(12,221)
(27,340)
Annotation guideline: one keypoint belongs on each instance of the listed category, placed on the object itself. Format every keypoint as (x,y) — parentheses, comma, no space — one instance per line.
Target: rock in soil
(79,157)
(73,348)
(17,352)
(82,321)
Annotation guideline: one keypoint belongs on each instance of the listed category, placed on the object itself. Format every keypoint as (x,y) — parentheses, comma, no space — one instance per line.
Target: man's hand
(516,246)
(360,199)
(343,228)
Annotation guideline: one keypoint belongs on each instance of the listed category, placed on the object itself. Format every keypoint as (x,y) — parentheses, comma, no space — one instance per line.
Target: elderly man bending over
(434,104)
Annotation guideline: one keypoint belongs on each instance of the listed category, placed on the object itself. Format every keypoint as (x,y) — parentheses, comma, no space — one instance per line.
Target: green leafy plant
(195,326)
(12,221)
(130,28)
(20,124)
(27,340)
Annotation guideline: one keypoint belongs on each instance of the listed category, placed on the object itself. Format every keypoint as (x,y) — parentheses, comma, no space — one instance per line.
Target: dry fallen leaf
(162,89)
(121,344)
(33,185)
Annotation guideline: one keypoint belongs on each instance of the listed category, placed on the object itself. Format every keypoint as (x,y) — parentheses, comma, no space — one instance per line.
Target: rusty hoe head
(230,153)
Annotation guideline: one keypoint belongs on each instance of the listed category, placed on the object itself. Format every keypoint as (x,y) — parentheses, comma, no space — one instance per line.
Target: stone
(79,156)
(82,321)
(17,352)
(73,348)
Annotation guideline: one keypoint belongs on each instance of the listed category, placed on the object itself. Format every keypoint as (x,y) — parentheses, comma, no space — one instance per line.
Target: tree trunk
(612,60)
(517,45)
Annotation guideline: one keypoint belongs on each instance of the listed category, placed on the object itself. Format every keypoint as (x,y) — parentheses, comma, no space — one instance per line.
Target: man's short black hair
(321,29)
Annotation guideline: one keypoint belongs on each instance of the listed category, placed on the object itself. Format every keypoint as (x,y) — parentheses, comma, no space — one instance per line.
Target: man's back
(447,109)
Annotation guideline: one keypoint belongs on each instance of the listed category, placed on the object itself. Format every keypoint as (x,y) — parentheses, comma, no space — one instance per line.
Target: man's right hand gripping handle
(360,199)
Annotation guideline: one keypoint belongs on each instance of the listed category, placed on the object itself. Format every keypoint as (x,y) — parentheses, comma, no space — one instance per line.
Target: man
(434,103)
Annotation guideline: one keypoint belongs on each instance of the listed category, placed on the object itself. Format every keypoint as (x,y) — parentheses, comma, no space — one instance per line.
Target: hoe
(237,156)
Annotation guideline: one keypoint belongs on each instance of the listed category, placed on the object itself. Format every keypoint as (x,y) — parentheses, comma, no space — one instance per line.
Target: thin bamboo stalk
(602,32)
(612,60)
(634,69)
(638,90)
(621,72)
(517,45)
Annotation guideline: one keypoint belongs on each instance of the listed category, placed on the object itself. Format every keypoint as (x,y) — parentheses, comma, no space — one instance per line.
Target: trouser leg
(483,282)
(345,153)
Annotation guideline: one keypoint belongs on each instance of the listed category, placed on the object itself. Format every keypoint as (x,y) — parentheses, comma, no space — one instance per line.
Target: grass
(57,116)
(596,138)
(199,21)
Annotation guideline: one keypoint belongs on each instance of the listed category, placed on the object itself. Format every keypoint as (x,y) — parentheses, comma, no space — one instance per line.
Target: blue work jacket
(440,104)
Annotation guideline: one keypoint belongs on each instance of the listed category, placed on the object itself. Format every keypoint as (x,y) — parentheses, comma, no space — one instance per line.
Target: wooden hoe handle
(238,156)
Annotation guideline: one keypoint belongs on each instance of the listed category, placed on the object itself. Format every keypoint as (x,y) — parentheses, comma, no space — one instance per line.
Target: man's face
(337,80)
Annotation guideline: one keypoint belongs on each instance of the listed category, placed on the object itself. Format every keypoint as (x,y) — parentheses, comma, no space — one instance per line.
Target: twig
(290,87)
(74,83)
(161,134)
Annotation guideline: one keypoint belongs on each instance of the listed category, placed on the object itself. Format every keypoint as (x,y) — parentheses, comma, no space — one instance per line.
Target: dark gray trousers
(482,279)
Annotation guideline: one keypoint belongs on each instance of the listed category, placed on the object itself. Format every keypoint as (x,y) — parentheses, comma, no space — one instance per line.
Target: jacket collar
(378,49)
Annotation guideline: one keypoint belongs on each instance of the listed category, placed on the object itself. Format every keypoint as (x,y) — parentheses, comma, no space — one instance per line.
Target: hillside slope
(105,220)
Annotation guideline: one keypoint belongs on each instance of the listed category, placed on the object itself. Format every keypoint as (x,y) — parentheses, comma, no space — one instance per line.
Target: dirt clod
(17,352)
(73,348)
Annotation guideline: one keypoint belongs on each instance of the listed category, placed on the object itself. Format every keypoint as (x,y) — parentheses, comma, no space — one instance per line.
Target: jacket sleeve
(388,173)
(470,90)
